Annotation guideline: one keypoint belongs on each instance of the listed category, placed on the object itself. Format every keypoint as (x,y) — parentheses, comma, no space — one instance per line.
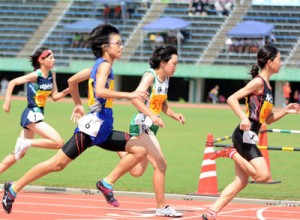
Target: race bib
(250,137)
(89,124)
(35,116)
(142,119)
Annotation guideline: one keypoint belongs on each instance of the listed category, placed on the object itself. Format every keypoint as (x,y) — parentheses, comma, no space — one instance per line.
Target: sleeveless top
(38,92)
(157,93)
(157,96)
(98,124)
(258,107)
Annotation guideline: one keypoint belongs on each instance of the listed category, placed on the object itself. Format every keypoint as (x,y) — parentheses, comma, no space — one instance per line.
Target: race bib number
(142,119)
(89,124)
(265,111)
(35,116)
(156,102)
(250,137)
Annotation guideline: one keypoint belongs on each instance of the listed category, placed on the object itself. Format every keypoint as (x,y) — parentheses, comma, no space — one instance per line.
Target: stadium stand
(17,28)
(61,41)
(286,20)
(199,33)
(18,21)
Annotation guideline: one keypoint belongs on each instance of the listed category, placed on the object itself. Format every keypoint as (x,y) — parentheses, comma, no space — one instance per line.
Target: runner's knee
(59,143)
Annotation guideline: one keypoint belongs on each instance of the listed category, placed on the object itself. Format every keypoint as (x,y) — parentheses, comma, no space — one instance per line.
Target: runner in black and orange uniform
(259,103)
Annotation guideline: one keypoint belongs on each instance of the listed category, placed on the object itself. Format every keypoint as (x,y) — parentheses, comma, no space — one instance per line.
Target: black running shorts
(248,151)
(79,142)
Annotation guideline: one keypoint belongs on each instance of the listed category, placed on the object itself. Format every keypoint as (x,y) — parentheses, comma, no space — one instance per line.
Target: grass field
(183,146)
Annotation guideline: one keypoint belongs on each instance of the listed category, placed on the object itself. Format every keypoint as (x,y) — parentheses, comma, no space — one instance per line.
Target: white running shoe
(168,212)
(20,148)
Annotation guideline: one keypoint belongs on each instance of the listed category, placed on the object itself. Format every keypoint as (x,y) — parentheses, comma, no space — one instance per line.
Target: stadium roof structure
(251,29)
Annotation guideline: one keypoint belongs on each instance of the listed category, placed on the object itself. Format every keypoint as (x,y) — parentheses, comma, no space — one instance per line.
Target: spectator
(286,93)
(145,3)
(117,12)
(76,40)
(270,39)
(198,7)
(85,41)
(158,41)
(228,5)
(220,7)
(190,8)
(130,10)
(172,37)
(229,45)
(106,12)
(214,94)
(3,85)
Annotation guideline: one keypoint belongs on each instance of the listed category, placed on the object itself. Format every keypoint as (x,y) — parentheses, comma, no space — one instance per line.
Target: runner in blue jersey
(96,127)
(259,103)
(41,83)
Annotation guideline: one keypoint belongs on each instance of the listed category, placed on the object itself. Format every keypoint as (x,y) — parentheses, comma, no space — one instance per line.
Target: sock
(212,214)
(12,191)
(27,142)
(231,154)
(164,207)
(106,183)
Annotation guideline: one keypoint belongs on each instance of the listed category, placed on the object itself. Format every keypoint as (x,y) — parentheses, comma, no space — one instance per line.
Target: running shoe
(168,212)
(204,217)
(224,152)
(108,194)
(20,148)
(8,198)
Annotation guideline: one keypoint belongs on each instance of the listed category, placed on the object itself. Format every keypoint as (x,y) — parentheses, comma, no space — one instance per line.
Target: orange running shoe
(224,152)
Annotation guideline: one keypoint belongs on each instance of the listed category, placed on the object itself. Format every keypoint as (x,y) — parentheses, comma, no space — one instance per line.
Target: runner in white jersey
(145,124)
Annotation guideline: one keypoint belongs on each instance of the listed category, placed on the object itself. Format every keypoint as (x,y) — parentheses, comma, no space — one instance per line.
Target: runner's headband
(45,54)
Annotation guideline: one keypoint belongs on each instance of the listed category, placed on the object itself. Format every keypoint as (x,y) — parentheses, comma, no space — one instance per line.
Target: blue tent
(251,29)
(82,26)
(166,23)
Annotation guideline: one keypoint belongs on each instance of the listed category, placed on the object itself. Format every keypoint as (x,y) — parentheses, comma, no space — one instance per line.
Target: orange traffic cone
(263,141)
(208,182)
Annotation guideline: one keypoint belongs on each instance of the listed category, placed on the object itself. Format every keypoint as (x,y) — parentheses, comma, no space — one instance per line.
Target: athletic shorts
(79,142)
(245,141)
(32,115)
(138,126)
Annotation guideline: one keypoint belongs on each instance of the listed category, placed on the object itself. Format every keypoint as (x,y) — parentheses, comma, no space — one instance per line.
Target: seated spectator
(228,5)
(117,12)
(85,41)
(76,41)
(220,7)
(158,41)
(145,3)
(270,39)
(190,8)
(229,45)
(106,12)
(172,37)
(130,10)
(198,7)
